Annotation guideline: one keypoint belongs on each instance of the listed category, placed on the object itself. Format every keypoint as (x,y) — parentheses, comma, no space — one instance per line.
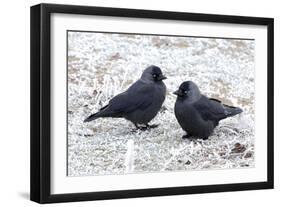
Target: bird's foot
(146,127)
(134,130)
(187,136)
(142,128)
(152,126)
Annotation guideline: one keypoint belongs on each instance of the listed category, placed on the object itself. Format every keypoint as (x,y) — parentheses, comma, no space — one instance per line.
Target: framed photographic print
(133,103)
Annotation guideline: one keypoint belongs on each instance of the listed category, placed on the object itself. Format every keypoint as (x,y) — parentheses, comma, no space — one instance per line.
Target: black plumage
(140,103)
(197,114)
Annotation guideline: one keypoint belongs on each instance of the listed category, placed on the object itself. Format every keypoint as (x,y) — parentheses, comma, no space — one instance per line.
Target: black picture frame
(41,98)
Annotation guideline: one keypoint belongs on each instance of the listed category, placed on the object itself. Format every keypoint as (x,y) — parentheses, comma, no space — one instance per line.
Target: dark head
(188,90)
(152,73)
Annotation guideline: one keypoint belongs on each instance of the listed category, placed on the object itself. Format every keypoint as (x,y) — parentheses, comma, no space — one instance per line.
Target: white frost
(102,65)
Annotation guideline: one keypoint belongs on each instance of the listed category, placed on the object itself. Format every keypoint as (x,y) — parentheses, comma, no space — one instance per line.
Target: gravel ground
(102,65)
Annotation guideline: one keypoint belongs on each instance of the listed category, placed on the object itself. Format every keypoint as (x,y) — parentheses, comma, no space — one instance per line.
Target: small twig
(129,159)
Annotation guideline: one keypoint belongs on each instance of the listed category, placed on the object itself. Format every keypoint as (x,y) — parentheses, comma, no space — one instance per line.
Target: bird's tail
(103,112)
(92,117)
(232,111)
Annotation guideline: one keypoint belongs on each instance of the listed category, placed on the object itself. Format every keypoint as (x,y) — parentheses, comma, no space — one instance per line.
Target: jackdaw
(197,114)
(140,102)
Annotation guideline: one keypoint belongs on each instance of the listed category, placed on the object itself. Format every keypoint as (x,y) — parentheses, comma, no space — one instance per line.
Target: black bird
(197,114)
(140,103)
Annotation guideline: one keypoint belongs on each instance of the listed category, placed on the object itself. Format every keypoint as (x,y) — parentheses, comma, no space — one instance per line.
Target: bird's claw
(146,127)
(143,128)
(152,126)
(189,136)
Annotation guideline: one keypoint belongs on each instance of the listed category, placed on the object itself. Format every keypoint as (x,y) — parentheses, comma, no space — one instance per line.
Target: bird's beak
(178,93)
(162,77)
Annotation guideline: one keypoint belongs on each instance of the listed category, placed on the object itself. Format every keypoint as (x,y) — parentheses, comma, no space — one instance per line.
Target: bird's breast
(160,93)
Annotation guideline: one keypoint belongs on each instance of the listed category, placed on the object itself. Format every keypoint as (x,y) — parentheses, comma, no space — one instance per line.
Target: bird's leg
(140,127)
(146,127)
(143,128)
(151,126)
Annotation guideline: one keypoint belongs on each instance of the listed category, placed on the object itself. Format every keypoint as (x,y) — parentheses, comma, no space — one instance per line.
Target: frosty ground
(102,65)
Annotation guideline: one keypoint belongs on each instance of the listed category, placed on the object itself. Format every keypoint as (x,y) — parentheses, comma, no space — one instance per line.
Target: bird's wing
(213,99)
(210,109)
(138,96)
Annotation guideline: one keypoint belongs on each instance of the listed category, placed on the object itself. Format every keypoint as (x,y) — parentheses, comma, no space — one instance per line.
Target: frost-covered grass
(102,65)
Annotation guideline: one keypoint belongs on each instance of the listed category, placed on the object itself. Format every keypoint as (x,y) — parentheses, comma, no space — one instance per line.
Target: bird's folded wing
(213,99)
(210,109)
(134,98)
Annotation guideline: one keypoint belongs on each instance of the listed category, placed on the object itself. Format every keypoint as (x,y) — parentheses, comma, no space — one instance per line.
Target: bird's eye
(154,75)
(186,92)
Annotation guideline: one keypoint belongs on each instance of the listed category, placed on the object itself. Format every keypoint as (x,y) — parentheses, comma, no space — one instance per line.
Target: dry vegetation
(102,65)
